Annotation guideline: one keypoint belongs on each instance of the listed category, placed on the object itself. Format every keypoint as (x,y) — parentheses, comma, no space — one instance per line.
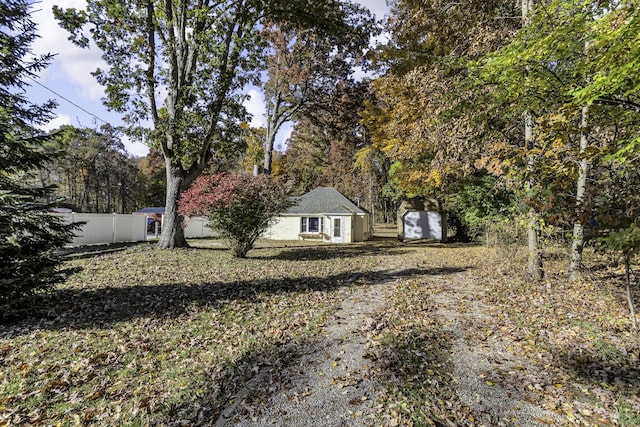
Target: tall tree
(290,67)
(94,172)
(182,64)
(535,270)
(577,244)
(560,56)
(253,155)
(423,115)
(304,62)
(29,236)
(325,139)
(151,177)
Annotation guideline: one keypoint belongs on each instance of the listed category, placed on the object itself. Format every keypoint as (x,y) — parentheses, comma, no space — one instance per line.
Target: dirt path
(330,384)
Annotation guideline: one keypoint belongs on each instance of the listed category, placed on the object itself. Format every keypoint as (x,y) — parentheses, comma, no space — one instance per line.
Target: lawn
(146,337)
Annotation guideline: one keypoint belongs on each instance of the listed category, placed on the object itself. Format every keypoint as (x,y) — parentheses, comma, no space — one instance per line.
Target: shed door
(336,229)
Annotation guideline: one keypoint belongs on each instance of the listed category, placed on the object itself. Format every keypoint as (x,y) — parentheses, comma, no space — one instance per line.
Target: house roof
(154,210)
(324,200)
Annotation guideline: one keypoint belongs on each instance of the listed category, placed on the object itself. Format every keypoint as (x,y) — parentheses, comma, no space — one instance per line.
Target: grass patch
(628,416)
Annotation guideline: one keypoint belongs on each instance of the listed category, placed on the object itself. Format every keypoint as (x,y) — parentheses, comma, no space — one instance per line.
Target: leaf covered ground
(152,337)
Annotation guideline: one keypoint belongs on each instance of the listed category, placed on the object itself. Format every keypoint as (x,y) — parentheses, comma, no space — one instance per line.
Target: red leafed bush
(239,206)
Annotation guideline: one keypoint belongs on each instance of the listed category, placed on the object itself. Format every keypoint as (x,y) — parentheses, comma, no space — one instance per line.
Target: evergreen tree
(29,236)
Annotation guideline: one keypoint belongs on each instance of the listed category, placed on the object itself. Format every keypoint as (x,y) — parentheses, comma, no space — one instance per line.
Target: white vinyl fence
(196,226)
(117,228)
(107,228)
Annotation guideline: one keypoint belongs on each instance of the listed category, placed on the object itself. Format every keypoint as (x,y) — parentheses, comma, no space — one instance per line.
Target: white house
(322,214)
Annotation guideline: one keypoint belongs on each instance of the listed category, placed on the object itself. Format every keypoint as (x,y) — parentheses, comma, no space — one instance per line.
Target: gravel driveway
(332,384)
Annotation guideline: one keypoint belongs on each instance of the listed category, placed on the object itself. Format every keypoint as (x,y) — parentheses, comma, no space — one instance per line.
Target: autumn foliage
(239,206)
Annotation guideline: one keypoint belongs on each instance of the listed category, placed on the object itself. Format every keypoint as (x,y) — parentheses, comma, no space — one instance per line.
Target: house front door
(336,229)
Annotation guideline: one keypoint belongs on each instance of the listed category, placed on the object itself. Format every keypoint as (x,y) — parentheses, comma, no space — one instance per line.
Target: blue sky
(69,75)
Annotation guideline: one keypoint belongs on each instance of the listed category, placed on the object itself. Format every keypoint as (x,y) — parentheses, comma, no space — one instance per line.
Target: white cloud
(56,122)
(135,148)
(359,74)
(255,107)
(377,7)
(282,137)
(72,66)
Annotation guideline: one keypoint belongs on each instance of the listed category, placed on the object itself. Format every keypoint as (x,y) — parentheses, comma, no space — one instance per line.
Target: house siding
(361,228)
(356,228)
(284,228)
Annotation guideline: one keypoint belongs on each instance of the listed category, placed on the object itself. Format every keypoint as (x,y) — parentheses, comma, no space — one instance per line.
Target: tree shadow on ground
(600,362)
(337,251)
(102,307)
(90,251)
(599,358)
(222,389)
(597,367)
(415,363)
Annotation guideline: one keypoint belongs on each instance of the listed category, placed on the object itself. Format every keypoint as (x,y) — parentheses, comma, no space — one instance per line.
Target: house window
(311,224)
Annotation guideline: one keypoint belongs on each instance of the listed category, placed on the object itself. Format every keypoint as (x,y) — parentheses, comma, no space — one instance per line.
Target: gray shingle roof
(155,210)
(324,200)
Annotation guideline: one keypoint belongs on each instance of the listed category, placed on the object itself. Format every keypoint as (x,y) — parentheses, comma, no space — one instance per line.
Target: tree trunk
(107,189)
(97,193)
(535,271)
(270,139)
(627,265)
(123,191)
(172,232)
(444,226)
(577,244)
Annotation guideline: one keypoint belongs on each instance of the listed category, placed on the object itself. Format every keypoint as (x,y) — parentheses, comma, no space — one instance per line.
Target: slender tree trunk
(172,232)
(627,266)
(443,221)
(577,244)
(276,118)
(123,191)
(97,192)
(107,188)
(535,271)
(44,181)
(86,193)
